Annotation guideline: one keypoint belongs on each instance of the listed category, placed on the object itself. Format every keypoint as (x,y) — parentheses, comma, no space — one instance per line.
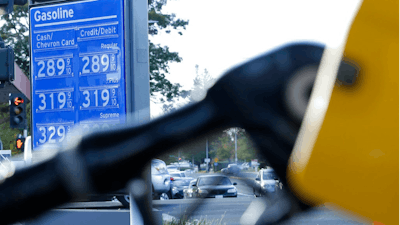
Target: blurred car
(233,169)
(245,166)
(161,184)
(179,182)
(177,174)
(172,168)
(212,186)
(188,192)
(266,183)
(190,171)
(160,179)
(224,170)
(178,185)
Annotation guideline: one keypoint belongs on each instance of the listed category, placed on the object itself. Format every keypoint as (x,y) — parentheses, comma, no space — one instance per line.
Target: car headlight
(203,191)
(174,189)
(233,190)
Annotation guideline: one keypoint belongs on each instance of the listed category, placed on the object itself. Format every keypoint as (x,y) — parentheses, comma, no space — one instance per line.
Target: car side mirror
(257,179)
(234,183)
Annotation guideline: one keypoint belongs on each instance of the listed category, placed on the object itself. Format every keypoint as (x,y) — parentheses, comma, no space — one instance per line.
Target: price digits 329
(53,134)
(64,100)
(54,67)
(99,97)
(98,63)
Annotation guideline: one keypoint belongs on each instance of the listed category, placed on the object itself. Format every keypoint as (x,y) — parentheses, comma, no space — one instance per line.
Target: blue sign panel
(77,68)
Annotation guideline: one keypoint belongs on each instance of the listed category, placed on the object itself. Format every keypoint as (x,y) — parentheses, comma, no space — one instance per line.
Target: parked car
(161,184)
(266,183)
(212,186)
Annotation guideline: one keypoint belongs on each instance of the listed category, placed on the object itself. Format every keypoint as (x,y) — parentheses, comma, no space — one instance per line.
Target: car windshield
(172,167)
(175,174)
(214,181)
(181,182)
(270,175)
(159,167)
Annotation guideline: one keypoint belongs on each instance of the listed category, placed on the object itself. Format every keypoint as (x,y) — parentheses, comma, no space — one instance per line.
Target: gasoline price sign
(78,68)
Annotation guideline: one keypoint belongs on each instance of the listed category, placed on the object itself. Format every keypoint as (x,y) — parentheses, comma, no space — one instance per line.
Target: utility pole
(179,160)
(207,153)
(236,145)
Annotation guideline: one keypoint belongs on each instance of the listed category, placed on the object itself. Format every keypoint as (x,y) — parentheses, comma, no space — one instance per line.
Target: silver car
(161,184)
(160,179)
(267,183)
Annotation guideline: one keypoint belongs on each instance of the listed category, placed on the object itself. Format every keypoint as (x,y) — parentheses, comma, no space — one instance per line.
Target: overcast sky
(223,33)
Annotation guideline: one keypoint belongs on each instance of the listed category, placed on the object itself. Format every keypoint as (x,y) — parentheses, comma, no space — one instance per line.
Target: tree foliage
(15,33)
(224,146)
(201,83)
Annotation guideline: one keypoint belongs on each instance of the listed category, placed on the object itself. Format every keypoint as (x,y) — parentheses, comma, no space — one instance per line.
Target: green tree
(224,147)
(245,149)
(201,83)
(15,33)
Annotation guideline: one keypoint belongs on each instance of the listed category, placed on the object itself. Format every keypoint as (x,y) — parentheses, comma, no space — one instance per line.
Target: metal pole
(138,85)
(236,145)
(25,133)
(207,153)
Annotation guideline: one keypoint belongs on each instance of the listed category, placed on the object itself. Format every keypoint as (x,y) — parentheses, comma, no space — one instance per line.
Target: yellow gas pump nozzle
(354,162)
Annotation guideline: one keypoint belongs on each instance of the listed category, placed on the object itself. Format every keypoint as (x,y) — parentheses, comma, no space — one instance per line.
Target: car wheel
(255,194)
(164,196)
(124,199)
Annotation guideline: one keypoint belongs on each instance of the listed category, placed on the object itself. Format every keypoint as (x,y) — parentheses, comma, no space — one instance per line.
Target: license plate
(219,196)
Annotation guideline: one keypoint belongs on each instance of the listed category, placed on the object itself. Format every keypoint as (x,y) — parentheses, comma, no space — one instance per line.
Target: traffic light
(6,6)
(20,143)
(6,64)
(18,111)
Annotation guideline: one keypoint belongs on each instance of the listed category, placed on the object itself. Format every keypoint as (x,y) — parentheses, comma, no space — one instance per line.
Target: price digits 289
(54,67)
(98,63)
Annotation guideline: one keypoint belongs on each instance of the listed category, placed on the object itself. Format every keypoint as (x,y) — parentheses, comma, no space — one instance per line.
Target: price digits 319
(64,100)
(53,134)
(98,63)
(54,67)
(99,97)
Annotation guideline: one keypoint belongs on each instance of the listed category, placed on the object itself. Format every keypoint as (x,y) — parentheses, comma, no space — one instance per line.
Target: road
(227,210)
(231,210)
